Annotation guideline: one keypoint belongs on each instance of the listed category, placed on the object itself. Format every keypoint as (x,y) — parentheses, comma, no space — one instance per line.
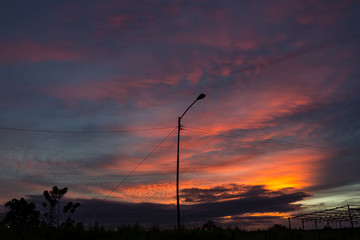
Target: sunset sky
(88,89)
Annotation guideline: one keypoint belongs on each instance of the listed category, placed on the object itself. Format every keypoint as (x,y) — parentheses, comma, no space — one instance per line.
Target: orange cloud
(276,214)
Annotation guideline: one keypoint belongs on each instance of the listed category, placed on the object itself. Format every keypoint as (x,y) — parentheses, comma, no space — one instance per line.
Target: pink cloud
(248,101)
(194,76)
(91,90)
(314,12)
(325,13)
(222,38)
(120,20)
(36,52)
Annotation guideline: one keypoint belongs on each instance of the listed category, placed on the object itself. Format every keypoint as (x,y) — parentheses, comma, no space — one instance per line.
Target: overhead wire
(296,53)
(127,176)
(263,64)
(82,132)
(295,145)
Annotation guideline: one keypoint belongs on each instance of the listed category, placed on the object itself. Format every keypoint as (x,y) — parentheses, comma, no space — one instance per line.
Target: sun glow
(267,214)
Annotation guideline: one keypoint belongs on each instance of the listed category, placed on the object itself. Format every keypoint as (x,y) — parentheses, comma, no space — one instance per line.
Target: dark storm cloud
(204,211)
(254,200)
(225,192)
(205,195)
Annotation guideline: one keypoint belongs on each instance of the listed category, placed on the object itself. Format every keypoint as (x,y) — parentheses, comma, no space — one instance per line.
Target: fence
(344,216)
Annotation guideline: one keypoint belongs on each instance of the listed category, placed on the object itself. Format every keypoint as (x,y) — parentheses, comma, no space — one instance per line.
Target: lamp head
(201,96)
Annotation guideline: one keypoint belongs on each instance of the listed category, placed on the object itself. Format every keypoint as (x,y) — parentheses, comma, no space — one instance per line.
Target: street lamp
(201,96)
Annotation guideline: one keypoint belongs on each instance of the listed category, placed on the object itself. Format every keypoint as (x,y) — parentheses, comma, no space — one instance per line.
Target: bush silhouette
(53,198)
(21,213)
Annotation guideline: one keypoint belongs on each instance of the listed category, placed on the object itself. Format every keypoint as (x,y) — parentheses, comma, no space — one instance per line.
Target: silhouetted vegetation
(24,215)
(22,221)
(137,232)
(21,213)
(53,202)
(52,217)
(209,226)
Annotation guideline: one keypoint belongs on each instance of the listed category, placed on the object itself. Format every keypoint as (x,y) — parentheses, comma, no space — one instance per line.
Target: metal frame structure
(347,213)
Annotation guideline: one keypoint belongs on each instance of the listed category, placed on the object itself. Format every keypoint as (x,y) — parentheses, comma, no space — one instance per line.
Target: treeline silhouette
(22,213)
(24,221)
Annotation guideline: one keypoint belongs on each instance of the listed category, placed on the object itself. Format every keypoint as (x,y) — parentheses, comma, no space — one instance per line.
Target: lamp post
(201,96)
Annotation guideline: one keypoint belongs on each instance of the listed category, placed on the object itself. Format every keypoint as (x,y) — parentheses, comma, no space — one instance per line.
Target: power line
(81,132)
(294,54)
(295,145)
(122,181)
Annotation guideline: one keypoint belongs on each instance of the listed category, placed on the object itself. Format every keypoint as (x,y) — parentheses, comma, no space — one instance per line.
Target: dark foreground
(139,233)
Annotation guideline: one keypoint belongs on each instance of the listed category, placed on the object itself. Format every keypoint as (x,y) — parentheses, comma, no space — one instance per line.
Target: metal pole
(289,223)
(201,96)
(302,221)
(177,174)
(351,221)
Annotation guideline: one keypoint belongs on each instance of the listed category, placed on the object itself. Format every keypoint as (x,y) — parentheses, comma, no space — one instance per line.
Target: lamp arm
(188,108)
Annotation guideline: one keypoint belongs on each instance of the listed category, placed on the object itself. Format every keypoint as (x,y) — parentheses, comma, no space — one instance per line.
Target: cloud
(29,51)
(226,192)
(254,199)
(281,108)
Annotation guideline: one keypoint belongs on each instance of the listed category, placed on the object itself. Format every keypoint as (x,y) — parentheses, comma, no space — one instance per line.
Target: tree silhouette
(21,213)
(210,225)
(53,198)
(70,207)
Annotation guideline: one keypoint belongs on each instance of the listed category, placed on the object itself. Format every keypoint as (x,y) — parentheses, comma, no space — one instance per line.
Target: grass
(137,232)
